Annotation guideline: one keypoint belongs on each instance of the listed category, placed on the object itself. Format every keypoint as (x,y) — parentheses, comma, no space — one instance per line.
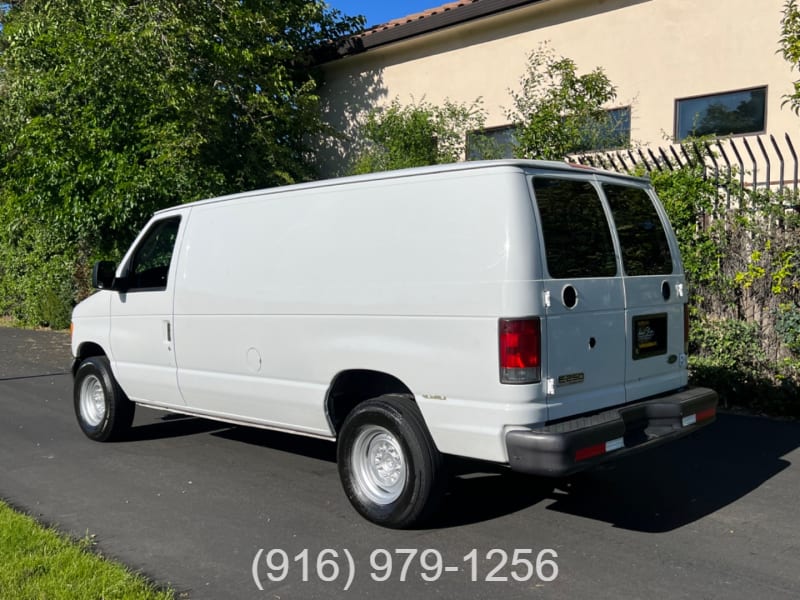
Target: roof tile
(418,16)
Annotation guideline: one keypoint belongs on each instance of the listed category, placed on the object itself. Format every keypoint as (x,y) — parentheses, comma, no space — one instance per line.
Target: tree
(790,47)
(398,136)
(113,109)
(558,112)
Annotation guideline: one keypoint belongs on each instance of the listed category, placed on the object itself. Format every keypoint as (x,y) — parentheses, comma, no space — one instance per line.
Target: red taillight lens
(590,452)
(520,350)
(599,449)
(709,413)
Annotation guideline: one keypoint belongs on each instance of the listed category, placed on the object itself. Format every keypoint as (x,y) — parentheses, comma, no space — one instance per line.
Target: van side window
(577,237)
(645,250)
(149,266)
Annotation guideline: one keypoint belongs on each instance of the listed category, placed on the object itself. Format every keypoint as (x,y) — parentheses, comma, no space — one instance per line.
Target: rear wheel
(103,411)
(390,468)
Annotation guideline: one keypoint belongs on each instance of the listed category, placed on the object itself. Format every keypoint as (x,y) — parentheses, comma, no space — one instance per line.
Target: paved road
(190,502)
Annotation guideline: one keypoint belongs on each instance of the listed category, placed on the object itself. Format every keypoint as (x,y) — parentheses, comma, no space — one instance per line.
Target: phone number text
(339,567)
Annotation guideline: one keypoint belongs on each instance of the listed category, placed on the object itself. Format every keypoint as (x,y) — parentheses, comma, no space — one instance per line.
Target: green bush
(728,356)
(559,112)
(115,109)
(743,272)
(787,326)
(39,283)
(400,136)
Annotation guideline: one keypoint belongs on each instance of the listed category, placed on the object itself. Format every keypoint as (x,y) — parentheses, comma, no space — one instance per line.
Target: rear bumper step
(578,444)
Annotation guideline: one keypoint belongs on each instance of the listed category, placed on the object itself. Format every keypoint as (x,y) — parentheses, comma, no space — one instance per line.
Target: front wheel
(390,468)
(104,412)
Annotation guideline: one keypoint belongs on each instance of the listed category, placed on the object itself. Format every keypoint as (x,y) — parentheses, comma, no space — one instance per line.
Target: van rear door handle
(167,332)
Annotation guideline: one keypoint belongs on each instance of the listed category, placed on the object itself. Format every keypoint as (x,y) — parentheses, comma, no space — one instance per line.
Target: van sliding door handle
(167,332)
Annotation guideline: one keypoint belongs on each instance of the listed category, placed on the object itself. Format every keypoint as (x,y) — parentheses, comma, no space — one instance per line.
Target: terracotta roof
(446,15)
(418,16)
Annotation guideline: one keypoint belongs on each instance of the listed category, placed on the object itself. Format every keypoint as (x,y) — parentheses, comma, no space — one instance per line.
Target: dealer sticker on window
(650,333)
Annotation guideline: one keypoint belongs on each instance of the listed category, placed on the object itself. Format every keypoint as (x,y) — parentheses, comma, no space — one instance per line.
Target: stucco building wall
(654,51)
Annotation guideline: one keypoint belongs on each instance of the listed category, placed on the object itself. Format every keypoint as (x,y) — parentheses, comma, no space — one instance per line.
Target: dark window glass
(611,130)
(577,238)
(645,250)
(722,114)
(150,263)
(495,142)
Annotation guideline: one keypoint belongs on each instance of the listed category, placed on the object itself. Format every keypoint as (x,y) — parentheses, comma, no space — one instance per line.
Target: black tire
(104,412)
(390,430)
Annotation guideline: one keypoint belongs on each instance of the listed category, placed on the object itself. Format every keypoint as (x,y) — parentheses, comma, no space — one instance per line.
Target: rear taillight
(685,328)
(520,350)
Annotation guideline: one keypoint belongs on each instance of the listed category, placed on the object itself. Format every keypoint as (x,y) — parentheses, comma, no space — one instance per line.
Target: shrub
(743,272)
(399,136)
(559,112)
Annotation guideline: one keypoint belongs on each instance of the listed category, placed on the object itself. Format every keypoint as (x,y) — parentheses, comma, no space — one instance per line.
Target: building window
(494,142)
(730,113)
(611,131)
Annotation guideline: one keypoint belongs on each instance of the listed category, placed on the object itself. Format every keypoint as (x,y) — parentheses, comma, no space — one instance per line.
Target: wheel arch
(86,350)
(351,387)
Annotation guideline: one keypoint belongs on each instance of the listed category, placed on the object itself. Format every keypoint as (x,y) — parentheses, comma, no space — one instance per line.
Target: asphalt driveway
(207,507)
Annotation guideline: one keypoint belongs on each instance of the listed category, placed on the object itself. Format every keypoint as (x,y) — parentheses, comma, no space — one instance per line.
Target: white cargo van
(532,314)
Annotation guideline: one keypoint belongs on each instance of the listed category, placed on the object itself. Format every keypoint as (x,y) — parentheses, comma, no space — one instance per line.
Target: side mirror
(103,274)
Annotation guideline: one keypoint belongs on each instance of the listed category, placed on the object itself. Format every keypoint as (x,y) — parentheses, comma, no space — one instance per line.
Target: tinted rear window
(576,234)
(645,250)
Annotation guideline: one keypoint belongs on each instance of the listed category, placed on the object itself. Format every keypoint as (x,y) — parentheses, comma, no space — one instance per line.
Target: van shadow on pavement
(658,490)
(676,484)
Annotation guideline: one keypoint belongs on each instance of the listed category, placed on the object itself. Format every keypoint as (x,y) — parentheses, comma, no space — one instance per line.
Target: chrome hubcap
(379,465)
(92,401)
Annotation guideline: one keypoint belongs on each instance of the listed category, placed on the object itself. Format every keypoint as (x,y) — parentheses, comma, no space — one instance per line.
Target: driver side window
(149,266)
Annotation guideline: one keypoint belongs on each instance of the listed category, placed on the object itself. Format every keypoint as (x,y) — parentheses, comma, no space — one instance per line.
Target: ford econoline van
(532,314)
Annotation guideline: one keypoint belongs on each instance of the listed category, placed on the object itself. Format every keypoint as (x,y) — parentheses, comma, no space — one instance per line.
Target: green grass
(37,563)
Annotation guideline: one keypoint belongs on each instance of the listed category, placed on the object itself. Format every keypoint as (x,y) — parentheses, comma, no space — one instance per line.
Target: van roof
(417,171)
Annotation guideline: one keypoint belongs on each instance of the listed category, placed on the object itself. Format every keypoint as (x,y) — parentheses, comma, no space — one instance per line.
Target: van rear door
(584,332)
(655,359)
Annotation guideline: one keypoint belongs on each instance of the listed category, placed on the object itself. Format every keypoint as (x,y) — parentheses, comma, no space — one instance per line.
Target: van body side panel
(278,294)
(419,246)
(289,391)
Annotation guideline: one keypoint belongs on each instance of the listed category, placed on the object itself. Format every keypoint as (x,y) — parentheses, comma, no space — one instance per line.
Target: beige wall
(654,51)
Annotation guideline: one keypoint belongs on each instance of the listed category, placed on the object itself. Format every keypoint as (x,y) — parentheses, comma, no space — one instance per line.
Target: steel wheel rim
(92,400)
(379,465)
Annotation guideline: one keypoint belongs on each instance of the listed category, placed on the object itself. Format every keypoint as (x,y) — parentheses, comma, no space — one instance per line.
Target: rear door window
(643,242)
(576,233)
